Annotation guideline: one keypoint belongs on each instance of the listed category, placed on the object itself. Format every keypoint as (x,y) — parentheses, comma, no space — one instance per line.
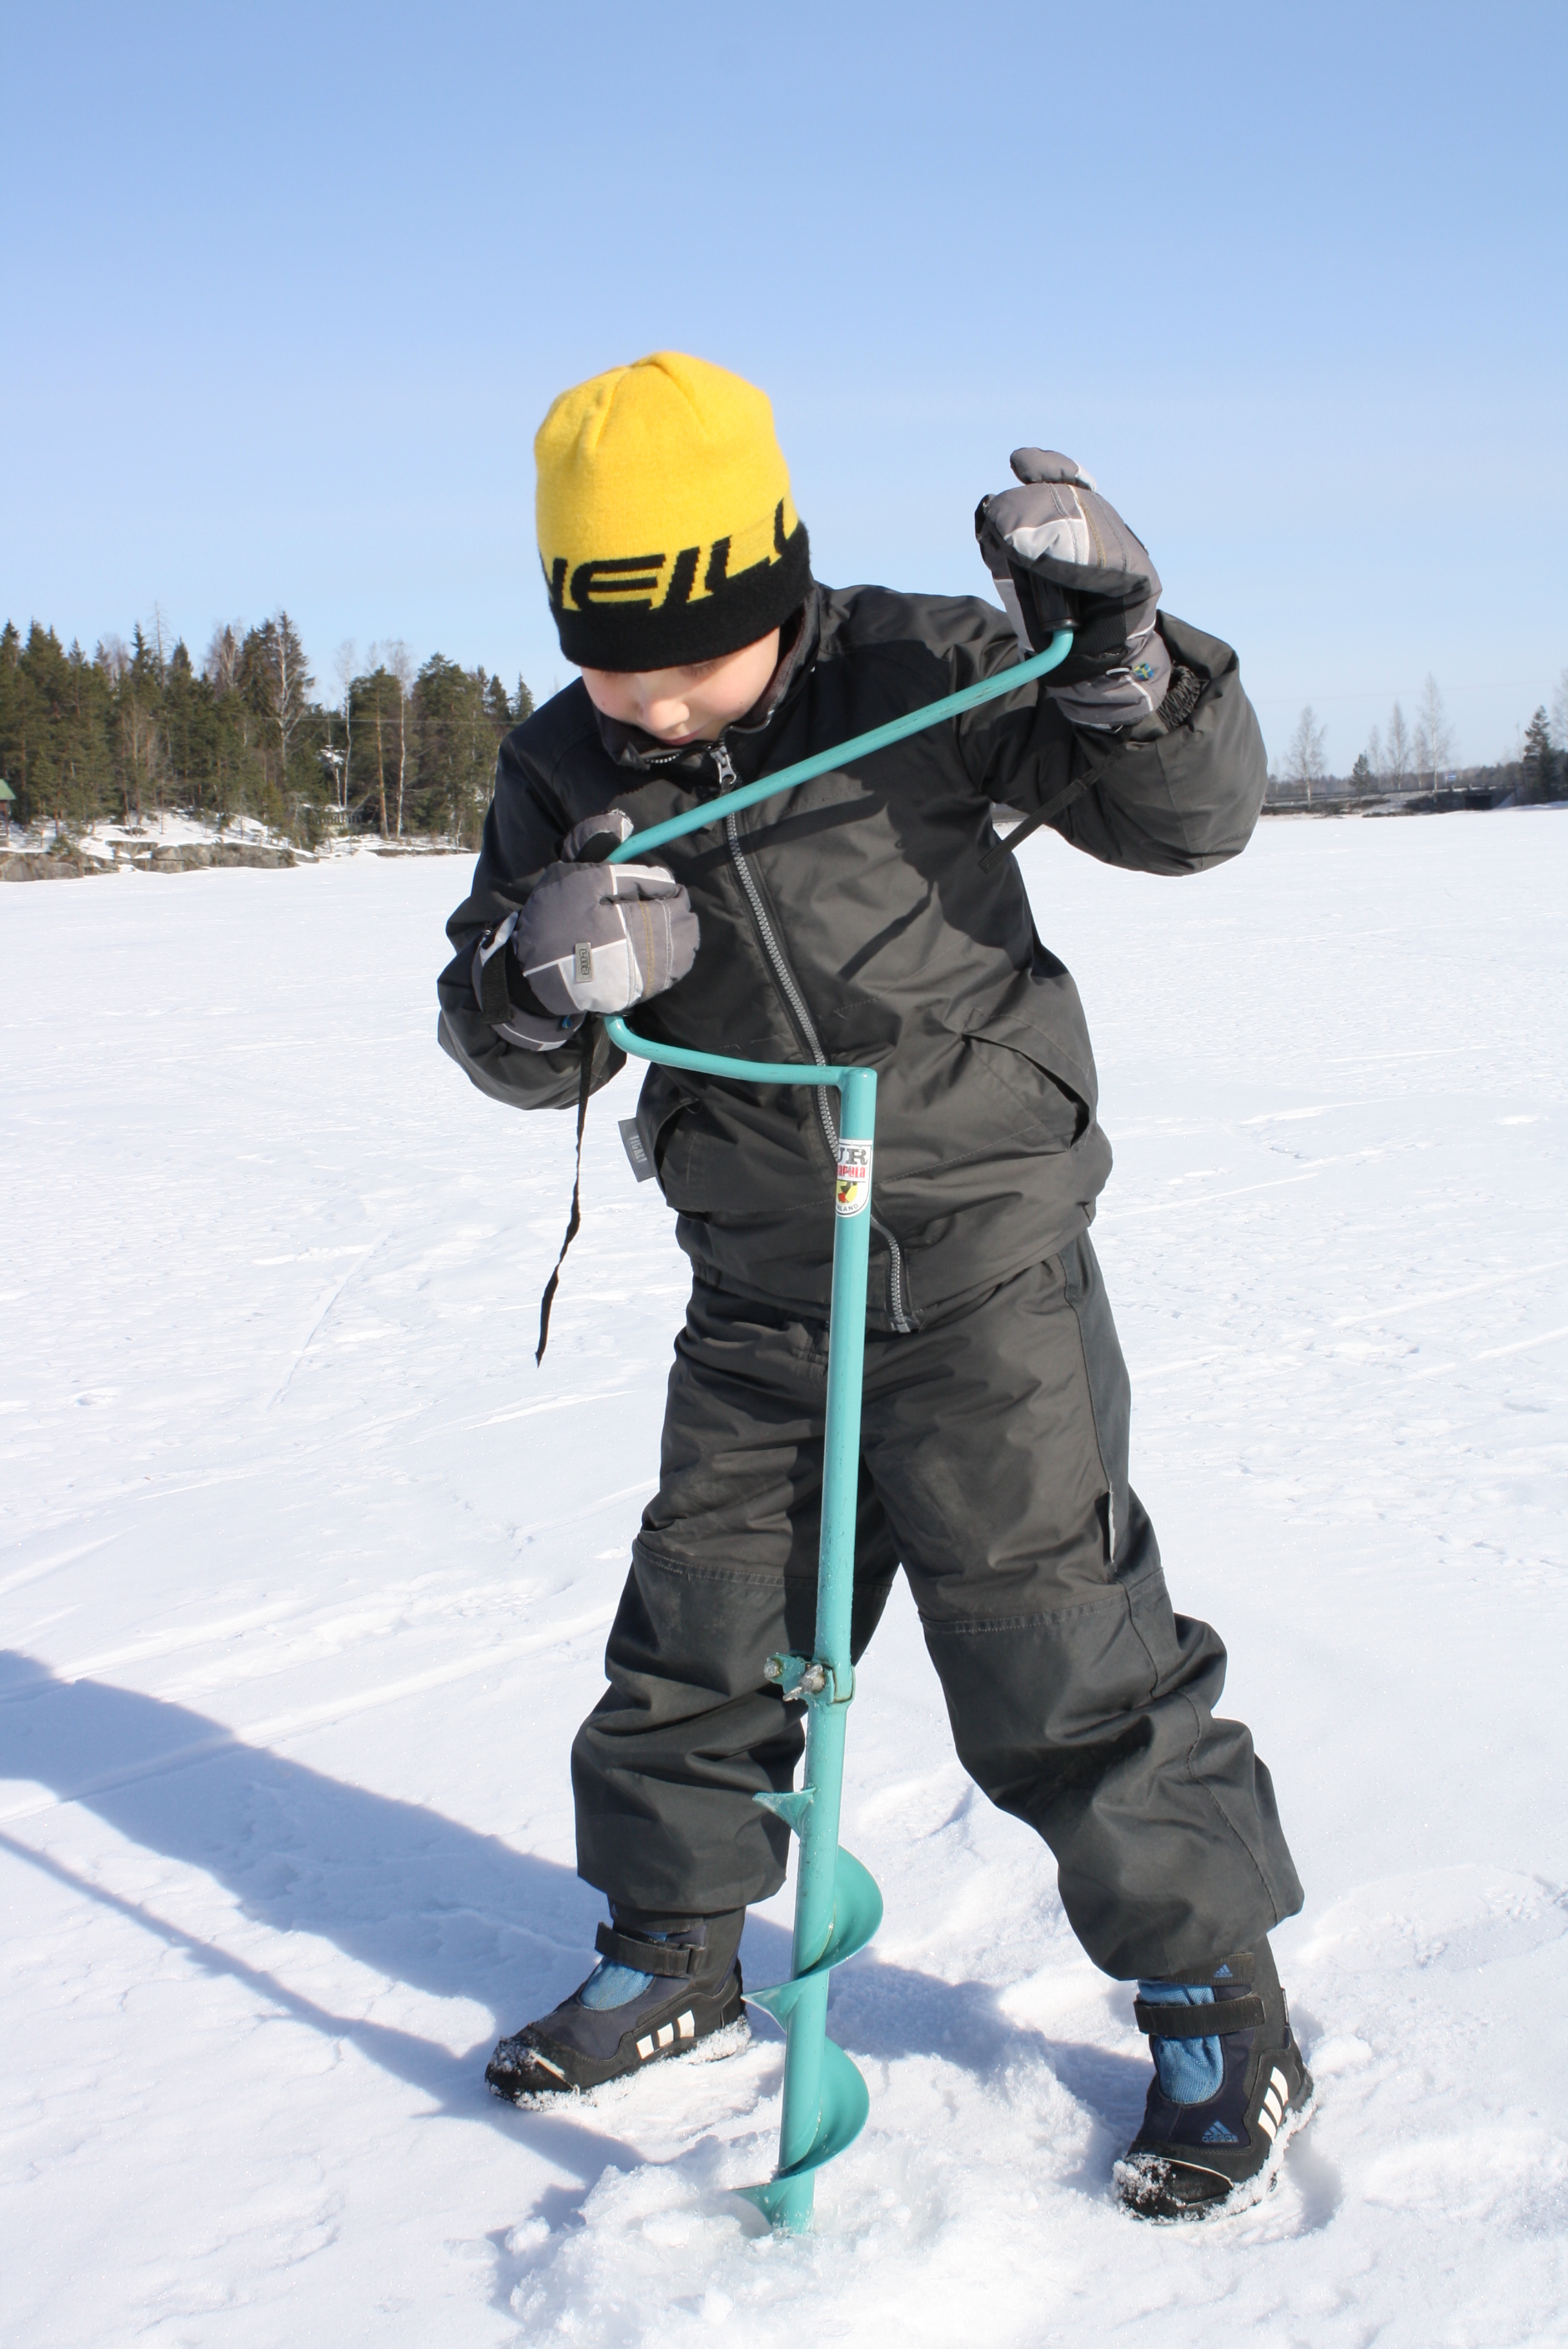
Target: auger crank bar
(838,1906)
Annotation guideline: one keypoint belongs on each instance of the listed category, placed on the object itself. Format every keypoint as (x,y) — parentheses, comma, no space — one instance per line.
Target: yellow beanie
(666,525)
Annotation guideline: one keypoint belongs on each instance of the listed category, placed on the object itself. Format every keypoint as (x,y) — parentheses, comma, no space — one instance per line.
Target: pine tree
(238,768)
(12,750)
(1538,764)
(1361,776)
(276,682)
(457,742)
(140,707)
(376,706)
(58,716)
(189,727)
(88,746)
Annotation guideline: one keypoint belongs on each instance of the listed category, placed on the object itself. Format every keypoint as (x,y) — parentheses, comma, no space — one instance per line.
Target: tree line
(133,729)
(1413,757)
(137,729)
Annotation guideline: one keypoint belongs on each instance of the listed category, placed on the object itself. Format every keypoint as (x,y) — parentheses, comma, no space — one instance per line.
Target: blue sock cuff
(1191,2071)
(609,1985)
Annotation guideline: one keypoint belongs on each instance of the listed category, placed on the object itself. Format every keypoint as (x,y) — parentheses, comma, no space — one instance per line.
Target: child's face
(686,705)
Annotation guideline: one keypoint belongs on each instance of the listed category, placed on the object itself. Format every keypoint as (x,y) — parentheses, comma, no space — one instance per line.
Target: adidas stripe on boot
(1229,2088)
(661,1987)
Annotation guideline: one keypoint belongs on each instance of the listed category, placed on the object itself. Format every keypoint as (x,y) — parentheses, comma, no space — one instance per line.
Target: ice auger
(838,1906)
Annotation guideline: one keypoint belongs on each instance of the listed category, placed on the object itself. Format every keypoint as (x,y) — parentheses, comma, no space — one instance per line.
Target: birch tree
(1304,760)
(343,669)
(1397,768)
(220,664)
(402,668)
(1434,746)
(372,696)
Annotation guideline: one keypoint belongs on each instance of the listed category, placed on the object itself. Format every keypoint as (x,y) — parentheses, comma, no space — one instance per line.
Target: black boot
(1230,2087)
(665,1985)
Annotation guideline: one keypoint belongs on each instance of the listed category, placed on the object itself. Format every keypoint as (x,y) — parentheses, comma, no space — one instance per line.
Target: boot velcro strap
(1199,2021)
(645,1956)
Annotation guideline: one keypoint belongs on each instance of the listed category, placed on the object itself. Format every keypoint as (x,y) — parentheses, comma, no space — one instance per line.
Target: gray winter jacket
(857,918)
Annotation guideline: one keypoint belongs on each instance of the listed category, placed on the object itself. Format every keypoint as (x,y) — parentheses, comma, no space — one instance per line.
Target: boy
(872,916)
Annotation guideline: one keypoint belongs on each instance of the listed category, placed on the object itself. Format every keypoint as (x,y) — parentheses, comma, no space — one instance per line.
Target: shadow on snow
(423,1900)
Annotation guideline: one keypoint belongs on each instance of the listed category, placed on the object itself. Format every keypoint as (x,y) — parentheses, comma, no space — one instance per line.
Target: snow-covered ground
(306,1572)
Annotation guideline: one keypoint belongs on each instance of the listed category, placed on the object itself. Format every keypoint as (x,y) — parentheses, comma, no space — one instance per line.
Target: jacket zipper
(792,996)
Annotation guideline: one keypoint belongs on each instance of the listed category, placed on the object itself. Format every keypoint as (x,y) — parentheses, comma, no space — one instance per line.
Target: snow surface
(306,1572)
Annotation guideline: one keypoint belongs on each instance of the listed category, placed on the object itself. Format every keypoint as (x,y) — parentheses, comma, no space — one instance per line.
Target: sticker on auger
(854,1190)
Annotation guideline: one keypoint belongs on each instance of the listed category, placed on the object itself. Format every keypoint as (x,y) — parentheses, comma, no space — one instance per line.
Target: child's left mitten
(1062,557)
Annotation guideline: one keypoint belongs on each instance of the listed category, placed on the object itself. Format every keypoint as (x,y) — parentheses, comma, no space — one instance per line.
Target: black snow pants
(994,1469)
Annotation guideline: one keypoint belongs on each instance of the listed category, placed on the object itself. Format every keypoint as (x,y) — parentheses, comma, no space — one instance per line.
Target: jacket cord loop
(573,1221)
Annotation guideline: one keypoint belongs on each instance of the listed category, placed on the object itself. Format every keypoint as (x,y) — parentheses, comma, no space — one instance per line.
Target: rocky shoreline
(184,856)
(70,864)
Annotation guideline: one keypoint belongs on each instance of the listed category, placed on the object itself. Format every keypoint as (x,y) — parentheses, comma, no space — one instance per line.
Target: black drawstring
(576,1218)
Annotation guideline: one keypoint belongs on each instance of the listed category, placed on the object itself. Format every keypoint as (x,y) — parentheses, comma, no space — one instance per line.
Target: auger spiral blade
(845,2102)
(857,1913)
(843,2099)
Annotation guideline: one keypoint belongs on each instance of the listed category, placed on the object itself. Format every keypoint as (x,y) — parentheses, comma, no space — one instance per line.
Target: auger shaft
(816,1882)
(837,1904)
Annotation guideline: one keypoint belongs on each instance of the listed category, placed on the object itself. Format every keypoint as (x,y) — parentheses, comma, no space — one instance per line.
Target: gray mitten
(601,937)
(592,937)
(1061,557)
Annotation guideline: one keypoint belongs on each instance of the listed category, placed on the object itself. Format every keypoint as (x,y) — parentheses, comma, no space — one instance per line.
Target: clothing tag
(583,956)
(641,1164)
(854,1190)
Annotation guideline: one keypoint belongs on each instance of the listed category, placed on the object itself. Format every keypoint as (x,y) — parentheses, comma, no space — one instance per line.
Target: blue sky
(287,291)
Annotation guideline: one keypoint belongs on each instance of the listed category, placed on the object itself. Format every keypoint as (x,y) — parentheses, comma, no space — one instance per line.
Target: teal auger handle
(859,746)
(719,1064)
(693,819)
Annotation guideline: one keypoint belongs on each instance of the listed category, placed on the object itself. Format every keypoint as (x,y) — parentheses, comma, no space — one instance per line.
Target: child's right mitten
(591,937)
